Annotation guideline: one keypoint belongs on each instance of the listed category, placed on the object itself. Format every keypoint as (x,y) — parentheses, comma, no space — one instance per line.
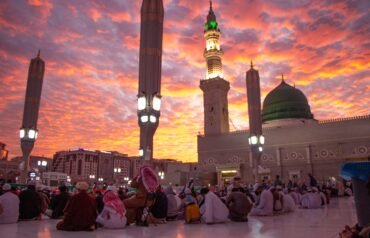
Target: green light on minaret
(211,25)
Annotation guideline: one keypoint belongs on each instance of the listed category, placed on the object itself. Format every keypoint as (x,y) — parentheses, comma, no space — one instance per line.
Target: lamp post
(116,171)
(256,143)
(92,177)
(161,175)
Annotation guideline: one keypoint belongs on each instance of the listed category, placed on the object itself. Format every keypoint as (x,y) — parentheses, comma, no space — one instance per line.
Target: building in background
(3,152)
(92,165)
(9,170)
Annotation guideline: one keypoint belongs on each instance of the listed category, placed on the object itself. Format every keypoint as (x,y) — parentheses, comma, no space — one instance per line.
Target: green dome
(285,102)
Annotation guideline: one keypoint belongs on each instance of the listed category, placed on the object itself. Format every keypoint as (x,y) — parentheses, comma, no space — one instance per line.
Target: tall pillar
(256,139)
(28,132)
(150,67)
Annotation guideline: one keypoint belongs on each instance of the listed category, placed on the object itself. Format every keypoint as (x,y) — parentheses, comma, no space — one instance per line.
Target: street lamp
(92,176)
(161,174)
(256,142)
(100,179)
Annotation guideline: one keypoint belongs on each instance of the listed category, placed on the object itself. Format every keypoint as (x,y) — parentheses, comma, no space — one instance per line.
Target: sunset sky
(91,77)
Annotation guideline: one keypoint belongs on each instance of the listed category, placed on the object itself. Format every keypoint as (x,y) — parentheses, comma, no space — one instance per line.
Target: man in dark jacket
(59,202)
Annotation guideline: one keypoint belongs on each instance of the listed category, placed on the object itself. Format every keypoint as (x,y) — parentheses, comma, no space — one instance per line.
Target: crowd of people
(87,208)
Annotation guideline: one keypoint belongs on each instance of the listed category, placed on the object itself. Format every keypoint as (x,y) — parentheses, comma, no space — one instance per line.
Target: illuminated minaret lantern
(214,86)
(150,66)
(28,132)
(256,139)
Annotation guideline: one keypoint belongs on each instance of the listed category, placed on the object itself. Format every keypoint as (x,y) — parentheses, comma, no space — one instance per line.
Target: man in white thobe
(213,209)
(9,206)
(266,204)
(312,199)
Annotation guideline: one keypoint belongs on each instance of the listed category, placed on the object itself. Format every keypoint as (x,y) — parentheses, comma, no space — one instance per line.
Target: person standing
(9,206)
(278,181)
(313,181)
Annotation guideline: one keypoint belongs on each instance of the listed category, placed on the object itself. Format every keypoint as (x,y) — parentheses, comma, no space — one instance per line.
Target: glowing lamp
(153,119)
(144,119)
(262,139)
(22,133)
(260,149)
(141,152)
(32,134)
(44,163)
(156,103)
(141,103)
(253,140)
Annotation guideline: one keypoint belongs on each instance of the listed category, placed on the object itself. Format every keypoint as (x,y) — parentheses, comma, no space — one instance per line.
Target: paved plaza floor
(319,223)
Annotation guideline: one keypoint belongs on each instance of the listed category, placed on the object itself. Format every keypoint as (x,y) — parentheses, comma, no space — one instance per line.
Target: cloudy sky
(91,54)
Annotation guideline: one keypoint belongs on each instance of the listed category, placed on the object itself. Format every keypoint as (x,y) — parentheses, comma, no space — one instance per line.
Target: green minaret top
(211,23)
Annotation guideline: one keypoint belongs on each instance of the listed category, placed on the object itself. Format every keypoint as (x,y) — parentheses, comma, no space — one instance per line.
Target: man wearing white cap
(9,206)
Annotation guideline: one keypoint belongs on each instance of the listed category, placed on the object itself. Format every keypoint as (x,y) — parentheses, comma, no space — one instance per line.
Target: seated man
(113,213)
(288,202)
(238,204)
(172,207)
(192,213)
(311,199)
(214,210)
(160,206)
(146,184)
(59,202)
(80,212)
(9,206)
(30,203)
(266,204)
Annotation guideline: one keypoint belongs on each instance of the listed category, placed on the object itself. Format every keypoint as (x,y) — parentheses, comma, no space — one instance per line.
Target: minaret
(150,66)
(28,132)
(214,86)
(256,139)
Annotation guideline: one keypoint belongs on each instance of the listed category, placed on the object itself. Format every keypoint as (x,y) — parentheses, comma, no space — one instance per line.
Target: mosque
(296,143)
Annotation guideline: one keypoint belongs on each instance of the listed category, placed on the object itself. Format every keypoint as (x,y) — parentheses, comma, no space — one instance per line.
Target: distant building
(3,152)
(36,163)
(9,170)
(92,165)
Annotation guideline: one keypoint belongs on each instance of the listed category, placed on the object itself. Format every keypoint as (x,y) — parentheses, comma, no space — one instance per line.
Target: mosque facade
(296,143)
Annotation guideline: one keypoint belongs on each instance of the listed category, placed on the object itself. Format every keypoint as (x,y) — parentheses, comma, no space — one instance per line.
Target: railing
(345,119)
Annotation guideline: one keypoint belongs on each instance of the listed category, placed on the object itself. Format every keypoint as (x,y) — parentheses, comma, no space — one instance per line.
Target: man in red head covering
(113,214)
(146,184)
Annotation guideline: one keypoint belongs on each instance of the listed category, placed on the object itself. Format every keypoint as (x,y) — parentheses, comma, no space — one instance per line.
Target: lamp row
(142,103)
(146,118)
(254,140)
(28,133)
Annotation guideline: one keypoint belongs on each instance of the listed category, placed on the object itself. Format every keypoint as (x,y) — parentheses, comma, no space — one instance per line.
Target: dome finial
(282,78)
(38,54)
(251,64)
(210,5)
